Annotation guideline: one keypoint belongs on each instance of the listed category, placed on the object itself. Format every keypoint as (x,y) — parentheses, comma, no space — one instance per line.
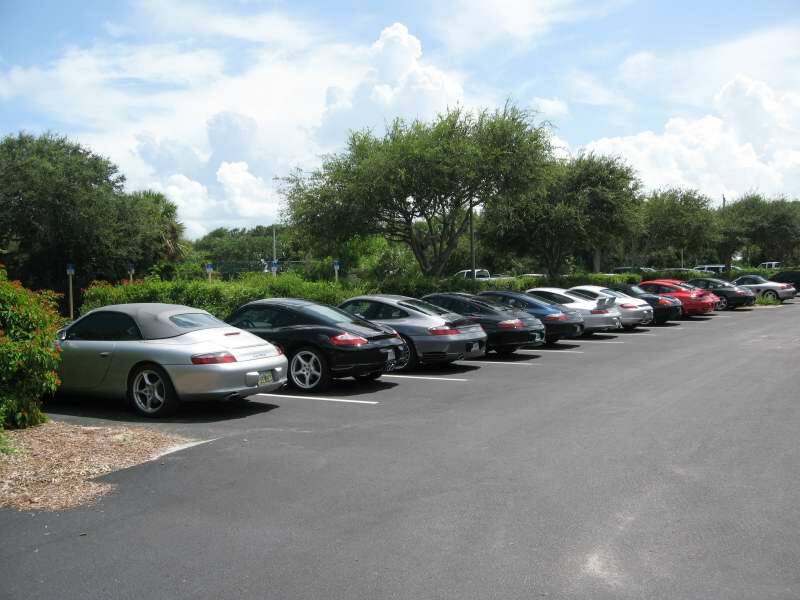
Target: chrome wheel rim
(306,369)
(149,391)
(771,294)
(723,302)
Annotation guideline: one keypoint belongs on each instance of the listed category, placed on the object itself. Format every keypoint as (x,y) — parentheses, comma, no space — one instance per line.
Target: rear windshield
(196,321)
(425,308)
(330,314)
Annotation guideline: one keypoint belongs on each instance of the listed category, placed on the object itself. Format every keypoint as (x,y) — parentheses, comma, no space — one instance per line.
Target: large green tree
(678,225)
(417,184)
(61,203)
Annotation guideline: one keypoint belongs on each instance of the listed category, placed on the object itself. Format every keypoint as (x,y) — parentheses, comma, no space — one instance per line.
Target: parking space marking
(426,377)
(500,362)
(299,397)
(597,342)
(552,351)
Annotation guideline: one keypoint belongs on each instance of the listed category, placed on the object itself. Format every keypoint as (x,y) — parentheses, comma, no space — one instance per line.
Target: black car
(507,329)
(790,277)
(730,295)
(557,323)
(322,342)
(664,309)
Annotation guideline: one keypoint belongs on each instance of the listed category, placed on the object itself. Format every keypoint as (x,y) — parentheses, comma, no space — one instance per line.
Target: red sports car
(695,301)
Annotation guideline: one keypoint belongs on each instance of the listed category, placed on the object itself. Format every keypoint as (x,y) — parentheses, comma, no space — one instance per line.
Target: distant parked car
(633,310)
(763,287)
(694,300)
(322,342)
(622,270)
(730,296)
(665,308)
(508,329)
(773,264)
(790,277)
(598,315)
(159,355)
(559,322)
(433,334)
(715,268)
(481,274)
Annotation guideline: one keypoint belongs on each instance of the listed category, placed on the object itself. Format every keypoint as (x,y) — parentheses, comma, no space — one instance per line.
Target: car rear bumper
(380,355)
(561,329)
(227,380)
(786,294)
(594,323)
(515,338)
(447,348)
(668,313)
(698,308)
(741,300)
(636,316)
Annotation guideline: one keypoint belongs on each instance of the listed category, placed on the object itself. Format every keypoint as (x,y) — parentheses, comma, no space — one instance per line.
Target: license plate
(472,347)
(390,355)
(265,378)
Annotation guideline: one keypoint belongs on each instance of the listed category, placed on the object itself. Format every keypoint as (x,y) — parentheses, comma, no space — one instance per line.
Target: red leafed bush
(29,357)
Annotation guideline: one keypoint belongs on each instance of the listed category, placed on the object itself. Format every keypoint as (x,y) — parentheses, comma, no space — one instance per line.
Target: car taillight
(626,305)
(443,330)
(785,286)
(510,324)
(556,317)
(664,302)
(213,358)
(348,339)
(278,348)
(599,311)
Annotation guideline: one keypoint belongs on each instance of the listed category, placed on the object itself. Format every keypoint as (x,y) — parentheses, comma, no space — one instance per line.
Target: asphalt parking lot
(663,463)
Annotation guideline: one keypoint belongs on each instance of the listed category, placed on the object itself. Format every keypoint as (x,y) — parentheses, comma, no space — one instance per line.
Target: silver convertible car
(158,355)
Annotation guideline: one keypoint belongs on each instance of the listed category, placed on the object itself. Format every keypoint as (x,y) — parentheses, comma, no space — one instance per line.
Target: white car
(634,311)
(770,265)
(763,287)
(598,315)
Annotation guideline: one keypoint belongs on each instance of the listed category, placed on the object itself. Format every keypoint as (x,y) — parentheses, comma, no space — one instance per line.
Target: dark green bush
(28,355)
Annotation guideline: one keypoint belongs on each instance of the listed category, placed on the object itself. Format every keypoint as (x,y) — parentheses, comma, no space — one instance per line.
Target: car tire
(151,393)
(309,370)
(551,339)
(413,358)
(368,376)
(505,351)
(771,294)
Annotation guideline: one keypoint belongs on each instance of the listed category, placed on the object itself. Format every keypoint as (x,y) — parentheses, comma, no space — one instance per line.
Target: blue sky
(210,101)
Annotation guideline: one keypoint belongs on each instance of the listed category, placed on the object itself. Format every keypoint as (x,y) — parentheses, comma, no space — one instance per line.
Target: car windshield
(329,314)
(196,321)
(426,308)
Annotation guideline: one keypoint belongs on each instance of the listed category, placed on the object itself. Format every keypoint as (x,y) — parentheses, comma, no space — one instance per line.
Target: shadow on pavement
(119,410)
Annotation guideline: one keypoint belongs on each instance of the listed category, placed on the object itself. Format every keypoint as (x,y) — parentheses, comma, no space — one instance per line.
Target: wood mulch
(51,466)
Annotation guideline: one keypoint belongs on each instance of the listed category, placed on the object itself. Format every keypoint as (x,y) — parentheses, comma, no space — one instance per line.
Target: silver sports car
(433,334)
(160,354)
(598,315)
(763,287)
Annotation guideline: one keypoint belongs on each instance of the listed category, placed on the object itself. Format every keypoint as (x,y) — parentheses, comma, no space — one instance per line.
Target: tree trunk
(598,260)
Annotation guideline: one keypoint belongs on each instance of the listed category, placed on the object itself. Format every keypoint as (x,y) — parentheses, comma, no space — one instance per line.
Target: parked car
(159,355)
(790,277)
(730,296)
(621,270)
(508,329)
(481,274)
(432,334)
(598,315)
(559,322)
(634,311)
(694,300)
(763,287)
(665,308)
(322,342)
(714,268)
(772,264)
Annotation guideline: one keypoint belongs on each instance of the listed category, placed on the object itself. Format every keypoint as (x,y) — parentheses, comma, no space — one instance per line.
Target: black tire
(151,393)
(413,358)
(505,351)
(551,339)
(309,370)
(368,376)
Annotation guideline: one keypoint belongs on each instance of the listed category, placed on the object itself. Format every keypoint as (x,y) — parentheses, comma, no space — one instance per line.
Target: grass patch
(765,301)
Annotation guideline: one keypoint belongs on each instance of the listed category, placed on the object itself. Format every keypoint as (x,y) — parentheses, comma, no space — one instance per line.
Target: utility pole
(274,245)
(723,200)
(71,274)
(471,241)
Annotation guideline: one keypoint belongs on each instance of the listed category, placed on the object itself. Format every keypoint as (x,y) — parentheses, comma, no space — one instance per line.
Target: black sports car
(730,296)
(322,342)
(664,309)
(507,328)
(558,323)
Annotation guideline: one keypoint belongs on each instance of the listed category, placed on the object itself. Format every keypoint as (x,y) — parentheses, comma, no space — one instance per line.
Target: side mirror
(62,334)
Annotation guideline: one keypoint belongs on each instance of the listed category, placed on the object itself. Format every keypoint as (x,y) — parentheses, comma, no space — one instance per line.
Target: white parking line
(558,351)
(597,342)
(299,397)
(426,377)
(499,362)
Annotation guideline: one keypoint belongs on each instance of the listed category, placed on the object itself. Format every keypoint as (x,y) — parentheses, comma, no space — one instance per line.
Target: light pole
(471,241)
(70,275)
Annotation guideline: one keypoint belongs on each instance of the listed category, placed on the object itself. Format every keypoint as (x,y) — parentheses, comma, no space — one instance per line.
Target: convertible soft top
(153,318)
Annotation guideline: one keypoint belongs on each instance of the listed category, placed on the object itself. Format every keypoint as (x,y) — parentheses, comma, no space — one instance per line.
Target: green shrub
(28,355)
(765,301)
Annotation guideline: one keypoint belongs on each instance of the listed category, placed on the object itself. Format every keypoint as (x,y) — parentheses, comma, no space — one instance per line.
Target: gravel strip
(53,464)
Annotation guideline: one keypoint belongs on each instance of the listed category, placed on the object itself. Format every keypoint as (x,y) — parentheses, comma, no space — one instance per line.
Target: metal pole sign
(209,270)
(70,275)
(336,265)
(274,267)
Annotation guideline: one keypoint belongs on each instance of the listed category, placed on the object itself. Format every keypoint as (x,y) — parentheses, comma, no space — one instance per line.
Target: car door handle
(105,354)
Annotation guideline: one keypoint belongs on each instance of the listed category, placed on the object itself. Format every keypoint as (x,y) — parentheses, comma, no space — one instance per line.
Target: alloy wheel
(723,303)
(149,391)
(306,370)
